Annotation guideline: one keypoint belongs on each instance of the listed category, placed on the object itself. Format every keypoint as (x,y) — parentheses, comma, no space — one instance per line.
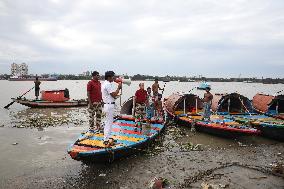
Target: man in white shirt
(109,93)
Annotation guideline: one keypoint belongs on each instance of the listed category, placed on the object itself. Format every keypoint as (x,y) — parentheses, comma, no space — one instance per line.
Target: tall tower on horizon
(14,69)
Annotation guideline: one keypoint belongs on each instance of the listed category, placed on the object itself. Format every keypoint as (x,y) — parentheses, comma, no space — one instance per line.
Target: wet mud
(186,159)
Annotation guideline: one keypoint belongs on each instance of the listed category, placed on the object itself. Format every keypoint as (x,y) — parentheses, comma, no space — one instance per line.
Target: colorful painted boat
(222,126)
(129,139)
(178,104)
(270,127)
(269,105)
(127,109)
(182,108)
(50,104)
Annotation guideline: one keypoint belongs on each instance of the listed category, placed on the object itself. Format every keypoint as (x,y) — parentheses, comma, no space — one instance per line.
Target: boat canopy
(127,107)
(269,104)
(183,103)
(233,103)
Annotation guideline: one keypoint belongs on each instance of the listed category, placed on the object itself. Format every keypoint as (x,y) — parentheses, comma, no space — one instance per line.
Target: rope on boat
(244,106)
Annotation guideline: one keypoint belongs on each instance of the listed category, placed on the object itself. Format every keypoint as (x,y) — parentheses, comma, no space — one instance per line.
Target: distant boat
(52,99)
(17,78)
(186,80)
(247,81)
(203,86)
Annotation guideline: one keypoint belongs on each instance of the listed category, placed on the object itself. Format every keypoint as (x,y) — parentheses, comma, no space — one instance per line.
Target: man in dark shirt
(95,101)
(37,88)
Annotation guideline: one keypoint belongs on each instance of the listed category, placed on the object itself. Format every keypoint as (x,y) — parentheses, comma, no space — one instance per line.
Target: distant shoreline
(139,77)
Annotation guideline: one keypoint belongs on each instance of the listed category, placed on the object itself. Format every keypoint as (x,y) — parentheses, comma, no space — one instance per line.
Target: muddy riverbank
(34,149)
(39,160)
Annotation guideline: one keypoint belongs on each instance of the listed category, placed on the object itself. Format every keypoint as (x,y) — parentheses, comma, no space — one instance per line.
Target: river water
(35,157)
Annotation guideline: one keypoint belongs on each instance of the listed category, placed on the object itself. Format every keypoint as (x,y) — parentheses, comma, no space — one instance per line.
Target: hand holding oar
(7,106)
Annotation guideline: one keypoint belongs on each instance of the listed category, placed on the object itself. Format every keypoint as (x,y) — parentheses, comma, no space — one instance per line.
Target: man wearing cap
(109,93)
(207,101)
(95,101)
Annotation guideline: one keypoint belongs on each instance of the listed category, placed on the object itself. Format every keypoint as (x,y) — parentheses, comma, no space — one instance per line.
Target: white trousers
(109,113)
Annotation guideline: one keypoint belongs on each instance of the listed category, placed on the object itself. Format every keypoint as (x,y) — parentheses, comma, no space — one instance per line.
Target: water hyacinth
(48,118)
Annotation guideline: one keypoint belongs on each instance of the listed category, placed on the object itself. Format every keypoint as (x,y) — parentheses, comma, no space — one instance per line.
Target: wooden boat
(127,107)
(222,126)
(234,103)
(270,127)
(269,105)
(129,139)
(50,104)
(178,105)
(52,99)
(183,109)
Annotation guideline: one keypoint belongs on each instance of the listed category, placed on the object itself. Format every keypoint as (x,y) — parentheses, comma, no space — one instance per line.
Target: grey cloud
(150,37)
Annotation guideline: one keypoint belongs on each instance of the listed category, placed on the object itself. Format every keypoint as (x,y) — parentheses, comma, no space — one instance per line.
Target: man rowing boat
(37,88)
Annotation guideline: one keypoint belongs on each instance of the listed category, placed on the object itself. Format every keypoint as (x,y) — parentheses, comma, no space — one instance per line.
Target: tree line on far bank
(139,77)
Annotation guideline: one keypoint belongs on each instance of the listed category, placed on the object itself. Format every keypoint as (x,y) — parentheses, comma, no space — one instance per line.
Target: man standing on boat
(150,105)
(109,94)
(37,88)
(140,100)
(95,101)
(156,88)
(207,101)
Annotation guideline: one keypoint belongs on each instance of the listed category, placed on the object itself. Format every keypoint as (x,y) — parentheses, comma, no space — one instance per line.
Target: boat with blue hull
(128,138)
(270,127)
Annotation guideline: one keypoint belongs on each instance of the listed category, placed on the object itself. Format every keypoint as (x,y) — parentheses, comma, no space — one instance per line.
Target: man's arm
(89,98)
(115,93)
(88,93)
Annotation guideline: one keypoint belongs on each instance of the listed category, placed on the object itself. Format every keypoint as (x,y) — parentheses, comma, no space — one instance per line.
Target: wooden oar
(165,83)
(278,92)
(7,106)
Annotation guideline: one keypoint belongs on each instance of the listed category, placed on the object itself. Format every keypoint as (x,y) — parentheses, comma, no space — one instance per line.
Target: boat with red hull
(50,104)
(186,109)
(52,99)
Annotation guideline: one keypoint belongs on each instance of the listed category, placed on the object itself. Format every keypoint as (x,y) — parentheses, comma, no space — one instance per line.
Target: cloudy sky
(212,38)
